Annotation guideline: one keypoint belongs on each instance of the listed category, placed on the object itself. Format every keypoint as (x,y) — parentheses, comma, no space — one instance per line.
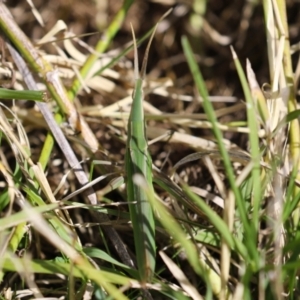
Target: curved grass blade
(230,203)
(212,117)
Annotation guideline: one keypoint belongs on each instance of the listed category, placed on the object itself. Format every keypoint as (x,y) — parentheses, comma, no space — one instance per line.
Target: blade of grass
(254,147)
(67,233)
(101,278)
(124,52)
(22,216)
(23,95)
(76,257)
(211,116)
(294,133)
(217,222)
(101,46)
(230,202)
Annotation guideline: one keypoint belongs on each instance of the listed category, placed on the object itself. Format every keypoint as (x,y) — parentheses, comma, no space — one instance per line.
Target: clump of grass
(226,219)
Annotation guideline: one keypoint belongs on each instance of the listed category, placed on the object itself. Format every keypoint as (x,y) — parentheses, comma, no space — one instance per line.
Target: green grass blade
(101,46)
(100,254)
(83,271)
(65,232)
(23,95)
(22,216)
(124,52)
(224,154)
(254,145)
(209,110)
(229,211)
(217,222)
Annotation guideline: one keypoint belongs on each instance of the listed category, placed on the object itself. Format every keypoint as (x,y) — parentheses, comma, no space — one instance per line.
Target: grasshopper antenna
(136,60)
(145,60)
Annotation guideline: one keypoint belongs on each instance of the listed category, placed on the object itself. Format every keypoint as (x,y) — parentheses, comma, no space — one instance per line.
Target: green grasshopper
(138,161)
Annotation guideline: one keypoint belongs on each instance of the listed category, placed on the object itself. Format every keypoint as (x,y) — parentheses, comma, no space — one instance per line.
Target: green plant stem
(294,133)
(101,46)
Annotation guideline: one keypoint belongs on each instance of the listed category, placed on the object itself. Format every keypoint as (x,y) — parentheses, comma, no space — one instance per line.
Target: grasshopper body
(138,161)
